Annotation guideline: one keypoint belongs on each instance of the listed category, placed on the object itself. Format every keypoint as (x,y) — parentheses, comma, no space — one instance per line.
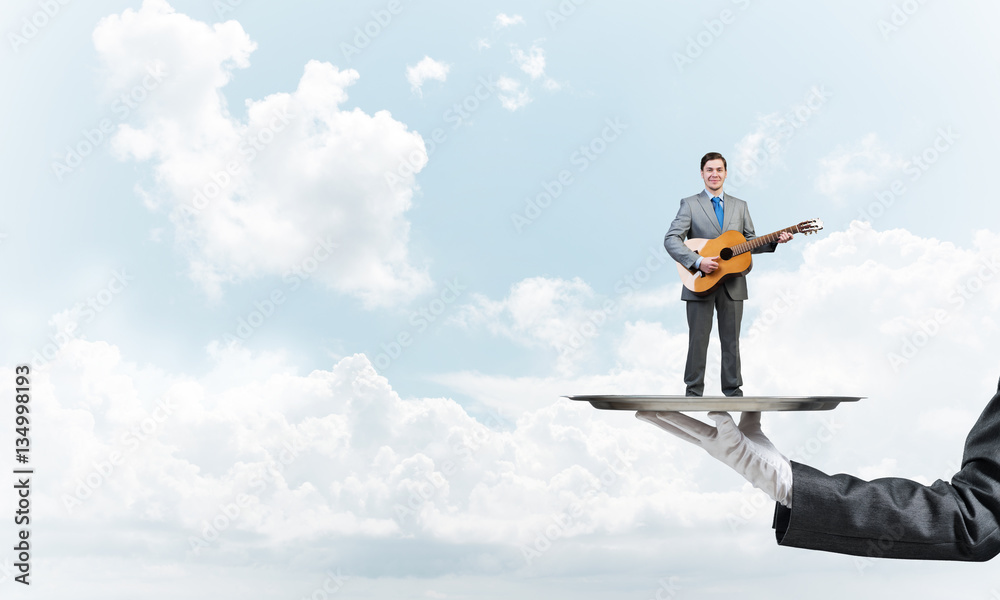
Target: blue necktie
(717,202)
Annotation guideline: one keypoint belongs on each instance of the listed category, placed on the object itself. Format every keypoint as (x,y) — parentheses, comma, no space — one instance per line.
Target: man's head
(713,172)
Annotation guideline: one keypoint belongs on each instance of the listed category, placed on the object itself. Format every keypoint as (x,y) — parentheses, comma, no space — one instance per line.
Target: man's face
(714,174)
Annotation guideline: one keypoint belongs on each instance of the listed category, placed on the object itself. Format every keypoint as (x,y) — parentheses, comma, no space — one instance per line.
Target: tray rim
(648,402)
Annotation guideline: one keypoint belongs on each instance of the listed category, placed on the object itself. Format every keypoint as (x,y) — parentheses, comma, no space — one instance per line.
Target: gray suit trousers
(699,317)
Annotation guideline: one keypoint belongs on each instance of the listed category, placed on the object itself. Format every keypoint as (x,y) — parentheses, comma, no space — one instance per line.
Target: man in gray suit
(708,215)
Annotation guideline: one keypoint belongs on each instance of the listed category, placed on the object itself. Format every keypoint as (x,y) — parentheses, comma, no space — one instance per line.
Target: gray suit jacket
(696,219)
(899,518)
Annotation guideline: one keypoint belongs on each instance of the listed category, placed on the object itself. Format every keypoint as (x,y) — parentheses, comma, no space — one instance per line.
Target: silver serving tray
(720,403)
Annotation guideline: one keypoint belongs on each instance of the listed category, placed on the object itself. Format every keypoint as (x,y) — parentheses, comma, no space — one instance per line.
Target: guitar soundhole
(726,253)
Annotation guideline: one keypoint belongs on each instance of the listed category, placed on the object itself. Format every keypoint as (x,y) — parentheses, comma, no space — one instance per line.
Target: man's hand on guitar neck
(707,264)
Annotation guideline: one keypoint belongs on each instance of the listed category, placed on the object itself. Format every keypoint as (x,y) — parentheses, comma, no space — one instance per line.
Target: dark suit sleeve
(900,518)
(673,241)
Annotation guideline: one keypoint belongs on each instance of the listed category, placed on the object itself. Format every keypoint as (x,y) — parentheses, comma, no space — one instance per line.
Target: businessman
(883,518)
(708,215)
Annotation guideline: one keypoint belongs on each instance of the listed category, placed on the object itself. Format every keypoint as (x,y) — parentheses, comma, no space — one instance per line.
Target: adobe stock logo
(713,29)
(900,16)
(420,320)
(33,25)
(91,139)
(366,34)
(582,159)
(293,279)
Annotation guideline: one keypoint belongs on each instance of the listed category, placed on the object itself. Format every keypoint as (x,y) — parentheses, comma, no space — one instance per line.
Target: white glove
(745,448)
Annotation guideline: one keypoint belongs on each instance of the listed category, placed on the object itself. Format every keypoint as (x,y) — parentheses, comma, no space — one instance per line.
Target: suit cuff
(782,515)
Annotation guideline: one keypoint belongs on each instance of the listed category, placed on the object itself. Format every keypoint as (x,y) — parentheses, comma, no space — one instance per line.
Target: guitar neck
(763,240)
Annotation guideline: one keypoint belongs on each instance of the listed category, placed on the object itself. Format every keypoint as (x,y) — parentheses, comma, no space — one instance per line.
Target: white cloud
(299,179)
(531,62)
(512,95)
(427,68)
(887,467)
(759,150)
(946,421)
(335,462)
(516,94)
(856,170)
(763,149)
(883,314)
(253,458)
(555,314)
(503,21)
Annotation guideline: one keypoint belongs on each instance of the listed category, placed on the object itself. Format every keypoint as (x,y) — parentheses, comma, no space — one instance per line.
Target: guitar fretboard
(763,240)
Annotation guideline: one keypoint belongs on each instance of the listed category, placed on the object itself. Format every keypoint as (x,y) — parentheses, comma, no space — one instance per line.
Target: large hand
(745,448)
(709,264)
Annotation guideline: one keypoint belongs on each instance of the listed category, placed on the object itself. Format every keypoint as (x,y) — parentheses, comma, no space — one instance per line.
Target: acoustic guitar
(733,251)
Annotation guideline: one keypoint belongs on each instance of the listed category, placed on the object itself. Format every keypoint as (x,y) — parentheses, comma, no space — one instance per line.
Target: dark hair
(713,156)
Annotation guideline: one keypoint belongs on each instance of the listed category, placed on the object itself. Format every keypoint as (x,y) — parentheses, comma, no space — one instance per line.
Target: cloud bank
(297,185)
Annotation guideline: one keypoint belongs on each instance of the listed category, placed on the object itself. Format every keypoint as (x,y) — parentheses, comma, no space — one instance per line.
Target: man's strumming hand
(709,264)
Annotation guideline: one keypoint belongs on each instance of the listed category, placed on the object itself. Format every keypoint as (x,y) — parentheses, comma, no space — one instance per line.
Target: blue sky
(391,235)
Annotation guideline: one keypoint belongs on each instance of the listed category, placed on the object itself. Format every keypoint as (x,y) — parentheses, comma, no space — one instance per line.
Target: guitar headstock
(810,226)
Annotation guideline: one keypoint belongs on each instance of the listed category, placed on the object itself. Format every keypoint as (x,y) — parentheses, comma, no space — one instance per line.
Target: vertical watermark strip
(22,473)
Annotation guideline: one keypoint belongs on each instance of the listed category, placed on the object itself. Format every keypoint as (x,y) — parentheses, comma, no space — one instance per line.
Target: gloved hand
(745,448)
